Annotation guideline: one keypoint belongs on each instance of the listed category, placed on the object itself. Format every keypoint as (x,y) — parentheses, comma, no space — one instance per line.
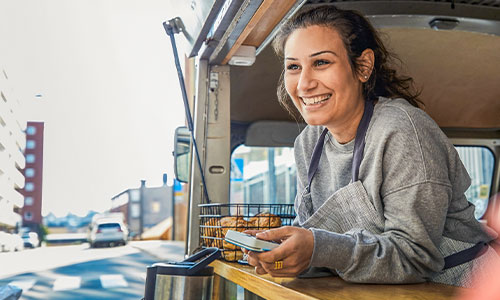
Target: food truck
(242,165)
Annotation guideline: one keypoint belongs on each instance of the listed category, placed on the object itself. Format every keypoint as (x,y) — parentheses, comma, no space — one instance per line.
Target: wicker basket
(216,219)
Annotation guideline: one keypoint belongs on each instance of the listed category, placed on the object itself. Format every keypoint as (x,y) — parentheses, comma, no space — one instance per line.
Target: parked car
(108,232)
(30,239)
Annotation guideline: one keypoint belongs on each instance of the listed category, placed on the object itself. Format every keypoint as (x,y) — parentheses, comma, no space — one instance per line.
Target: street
(78,271)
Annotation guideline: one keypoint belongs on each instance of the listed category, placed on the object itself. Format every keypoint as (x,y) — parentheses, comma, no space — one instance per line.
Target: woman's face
(319,78)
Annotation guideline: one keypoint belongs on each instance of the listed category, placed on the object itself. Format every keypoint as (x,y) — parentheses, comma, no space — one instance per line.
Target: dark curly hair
(357,35)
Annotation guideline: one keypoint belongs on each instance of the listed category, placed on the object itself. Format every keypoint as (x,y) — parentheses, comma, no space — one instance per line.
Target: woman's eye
(292,67)
(321,62)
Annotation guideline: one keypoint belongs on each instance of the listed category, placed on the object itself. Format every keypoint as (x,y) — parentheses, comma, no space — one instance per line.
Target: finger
(280,253)
(260,271)
(252,231)
(252,259)
(276,234)
(288,270)
(271,270)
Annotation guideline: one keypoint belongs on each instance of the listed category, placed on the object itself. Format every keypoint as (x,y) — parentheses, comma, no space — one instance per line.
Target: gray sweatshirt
(415,184)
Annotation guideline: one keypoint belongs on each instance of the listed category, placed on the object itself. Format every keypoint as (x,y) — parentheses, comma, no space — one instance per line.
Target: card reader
(249,242)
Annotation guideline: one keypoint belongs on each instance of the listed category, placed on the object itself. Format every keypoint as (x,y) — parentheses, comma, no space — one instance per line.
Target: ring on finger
(278,265)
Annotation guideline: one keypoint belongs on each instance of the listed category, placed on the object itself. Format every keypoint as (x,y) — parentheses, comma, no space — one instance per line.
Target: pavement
(82,273)
(162,250)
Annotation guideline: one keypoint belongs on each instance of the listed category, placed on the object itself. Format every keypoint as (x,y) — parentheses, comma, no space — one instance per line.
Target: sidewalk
(162,250)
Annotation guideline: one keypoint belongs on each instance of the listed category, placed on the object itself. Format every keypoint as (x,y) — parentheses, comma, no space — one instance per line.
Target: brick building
(33,173)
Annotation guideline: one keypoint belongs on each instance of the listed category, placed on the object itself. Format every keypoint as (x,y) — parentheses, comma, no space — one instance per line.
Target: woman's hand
(295,251)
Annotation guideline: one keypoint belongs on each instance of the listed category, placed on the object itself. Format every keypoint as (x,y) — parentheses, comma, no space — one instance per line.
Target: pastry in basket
(234,223)
(232,255)
(264,220)
(210,230)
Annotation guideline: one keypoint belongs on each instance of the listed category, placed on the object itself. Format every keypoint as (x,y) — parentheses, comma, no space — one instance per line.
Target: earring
(366,77)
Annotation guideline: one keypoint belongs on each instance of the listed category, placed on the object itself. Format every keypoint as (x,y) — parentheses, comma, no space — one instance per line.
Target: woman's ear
(366,62)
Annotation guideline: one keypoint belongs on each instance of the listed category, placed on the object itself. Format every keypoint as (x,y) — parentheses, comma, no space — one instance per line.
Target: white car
(30,239)
(108,232)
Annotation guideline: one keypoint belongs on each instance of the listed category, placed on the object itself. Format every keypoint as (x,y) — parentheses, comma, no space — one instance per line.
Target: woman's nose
(306,80)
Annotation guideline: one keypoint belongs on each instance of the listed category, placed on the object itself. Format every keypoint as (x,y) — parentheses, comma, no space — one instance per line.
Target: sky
(110,94)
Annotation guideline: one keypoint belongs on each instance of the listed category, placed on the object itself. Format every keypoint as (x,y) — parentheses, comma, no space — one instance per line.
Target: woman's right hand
(294,253)
(258,268)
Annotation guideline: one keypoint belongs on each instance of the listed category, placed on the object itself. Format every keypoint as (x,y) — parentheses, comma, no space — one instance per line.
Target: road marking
(67,283)
(112,281)
(23,284)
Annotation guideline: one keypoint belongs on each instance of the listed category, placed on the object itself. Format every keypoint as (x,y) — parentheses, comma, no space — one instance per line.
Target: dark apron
(340,213)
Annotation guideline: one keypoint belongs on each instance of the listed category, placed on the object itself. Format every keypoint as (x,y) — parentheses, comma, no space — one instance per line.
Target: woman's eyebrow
(322,52)
(314,54)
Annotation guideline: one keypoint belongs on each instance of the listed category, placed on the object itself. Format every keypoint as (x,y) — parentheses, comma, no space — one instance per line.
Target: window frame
(29,172)
(30,144)
(236,146)
(31,130)
(29,184)
(492,145)
(30,202)
(34,158)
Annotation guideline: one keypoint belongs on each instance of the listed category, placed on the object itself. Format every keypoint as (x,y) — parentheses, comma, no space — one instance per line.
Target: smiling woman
(381,188)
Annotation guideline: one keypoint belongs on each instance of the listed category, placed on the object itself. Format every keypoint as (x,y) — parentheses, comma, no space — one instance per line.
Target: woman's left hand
(294,253)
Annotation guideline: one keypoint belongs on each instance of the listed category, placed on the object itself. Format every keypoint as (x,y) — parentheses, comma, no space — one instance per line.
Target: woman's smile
(314,100)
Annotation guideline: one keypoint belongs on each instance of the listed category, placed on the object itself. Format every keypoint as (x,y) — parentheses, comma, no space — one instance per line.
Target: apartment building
(12,161)
(33,173)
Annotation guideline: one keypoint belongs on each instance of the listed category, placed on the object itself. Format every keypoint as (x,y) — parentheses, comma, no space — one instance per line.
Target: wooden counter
(322,288)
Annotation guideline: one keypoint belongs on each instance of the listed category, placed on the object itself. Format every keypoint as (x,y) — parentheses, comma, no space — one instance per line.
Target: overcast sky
(111,99)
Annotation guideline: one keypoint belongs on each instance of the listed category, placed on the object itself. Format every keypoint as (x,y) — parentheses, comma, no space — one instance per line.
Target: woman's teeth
(315,100)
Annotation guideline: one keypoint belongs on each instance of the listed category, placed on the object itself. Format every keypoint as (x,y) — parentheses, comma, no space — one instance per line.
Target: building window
(28,201)
(30,158)
(30,144)
(31,130)
(155,207)
(28,215)
(30,172)
(30,186)
(135,195)
(135,211)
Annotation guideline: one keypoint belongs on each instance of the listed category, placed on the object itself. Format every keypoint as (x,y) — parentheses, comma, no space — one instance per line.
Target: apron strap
(359,146)
(359,142)
(313,166)
(464,256)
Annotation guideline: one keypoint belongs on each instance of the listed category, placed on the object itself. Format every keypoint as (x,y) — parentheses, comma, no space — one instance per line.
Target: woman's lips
(308,101)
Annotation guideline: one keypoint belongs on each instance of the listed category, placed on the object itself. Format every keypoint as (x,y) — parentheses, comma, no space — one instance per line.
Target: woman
(382,196)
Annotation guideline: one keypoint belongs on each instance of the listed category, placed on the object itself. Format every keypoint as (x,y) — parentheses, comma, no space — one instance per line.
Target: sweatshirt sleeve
(405,252)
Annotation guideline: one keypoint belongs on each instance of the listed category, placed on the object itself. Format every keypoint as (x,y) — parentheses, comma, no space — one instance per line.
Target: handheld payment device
(249,242)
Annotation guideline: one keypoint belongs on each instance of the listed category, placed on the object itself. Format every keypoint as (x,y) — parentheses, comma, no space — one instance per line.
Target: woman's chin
(314,121)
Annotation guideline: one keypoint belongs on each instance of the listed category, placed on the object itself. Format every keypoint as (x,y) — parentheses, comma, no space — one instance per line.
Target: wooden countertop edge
(271,288)
(257,284)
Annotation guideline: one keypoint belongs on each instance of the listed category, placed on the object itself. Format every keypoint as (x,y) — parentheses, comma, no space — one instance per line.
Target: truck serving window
(264,175)
(251,181)
(479,162)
